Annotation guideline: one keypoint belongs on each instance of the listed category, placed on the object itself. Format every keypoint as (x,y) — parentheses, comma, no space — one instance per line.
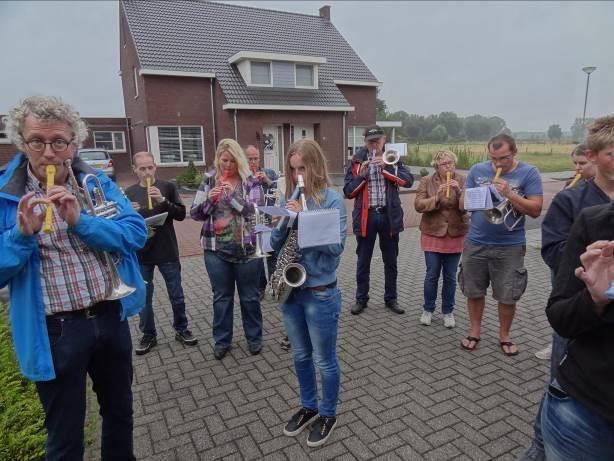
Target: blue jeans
(435,264)
(171,272)
(311,319)
(102,348)
(377,225)
(571,431)
(223,276)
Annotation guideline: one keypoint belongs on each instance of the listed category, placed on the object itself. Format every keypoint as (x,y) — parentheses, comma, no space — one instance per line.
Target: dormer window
(260,69)
(260,73)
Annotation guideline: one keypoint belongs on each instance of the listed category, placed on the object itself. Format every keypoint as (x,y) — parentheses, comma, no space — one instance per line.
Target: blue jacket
(20,262)
(357,187)
(320,262)
(563,210)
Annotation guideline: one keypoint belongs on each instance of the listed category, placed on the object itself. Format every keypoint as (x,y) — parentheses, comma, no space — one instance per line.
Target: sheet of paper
(318,227)
(156,220)
(477,198)
(276,211)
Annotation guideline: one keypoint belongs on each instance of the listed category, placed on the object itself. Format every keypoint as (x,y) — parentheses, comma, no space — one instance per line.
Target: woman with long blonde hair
(311,312)
(225,202)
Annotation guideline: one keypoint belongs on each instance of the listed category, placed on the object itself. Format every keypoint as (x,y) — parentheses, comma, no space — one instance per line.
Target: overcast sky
(518,60)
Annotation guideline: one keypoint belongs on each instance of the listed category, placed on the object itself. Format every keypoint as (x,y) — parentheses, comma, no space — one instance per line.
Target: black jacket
(586,373)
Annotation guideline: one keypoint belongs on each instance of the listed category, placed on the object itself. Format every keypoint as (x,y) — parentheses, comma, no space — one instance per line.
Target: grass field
(546,157)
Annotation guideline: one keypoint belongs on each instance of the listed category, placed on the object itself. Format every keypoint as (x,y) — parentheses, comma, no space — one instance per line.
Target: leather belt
(103,307)
(378,209)
(322,287)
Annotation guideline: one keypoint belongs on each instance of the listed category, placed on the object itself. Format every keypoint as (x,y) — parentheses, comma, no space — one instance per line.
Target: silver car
(99,159)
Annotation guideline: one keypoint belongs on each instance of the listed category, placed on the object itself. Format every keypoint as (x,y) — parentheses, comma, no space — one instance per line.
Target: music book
(481,198)
(318,227)
(156,220)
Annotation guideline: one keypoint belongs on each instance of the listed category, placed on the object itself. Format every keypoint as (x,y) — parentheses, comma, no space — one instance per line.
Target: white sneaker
(544,354)
(425,319)
(448,321)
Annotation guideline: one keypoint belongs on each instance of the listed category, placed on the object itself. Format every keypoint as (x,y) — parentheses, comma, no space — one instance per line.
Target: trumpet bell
(120,290)
(391,157)
(496,215)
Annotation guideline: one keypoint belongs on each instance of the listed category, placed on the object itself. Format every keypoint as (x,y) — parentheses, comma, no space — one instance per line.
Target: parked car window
(94,155)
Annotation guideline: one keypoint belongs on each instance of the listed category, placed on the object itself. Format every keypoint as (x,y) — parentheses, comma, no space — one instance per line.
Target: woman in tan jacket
(443,227)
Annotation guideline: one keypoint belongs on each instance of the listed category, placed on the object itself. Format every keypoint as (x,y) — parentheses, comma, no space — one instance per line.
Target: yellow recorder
(49,212)
(149,204)
(573,182)
(448,184)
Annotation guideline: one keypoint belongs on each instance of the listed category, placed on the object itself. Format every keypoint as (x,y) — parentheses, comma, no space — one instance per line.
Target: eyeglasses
(57,145)
(448,163)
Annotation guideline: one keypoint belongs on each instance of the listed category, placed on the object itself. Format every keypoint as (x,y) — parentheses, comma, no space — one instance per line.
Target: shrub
(22,434)
(189,177)
(424,172)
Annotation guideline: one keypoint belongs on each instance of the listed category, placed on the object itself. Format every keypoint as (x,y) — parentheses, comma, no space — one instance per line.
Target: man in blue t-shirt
(494,253)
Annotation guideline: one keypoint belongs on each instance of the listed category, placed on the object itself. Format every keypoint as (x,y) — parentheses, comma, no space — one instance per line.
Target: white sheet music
(478,198)
(318,227)
(276,211)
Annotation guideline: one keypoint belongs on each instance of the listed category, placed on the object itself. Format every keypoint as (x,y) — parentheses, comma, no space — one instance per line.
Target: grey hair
(48,109)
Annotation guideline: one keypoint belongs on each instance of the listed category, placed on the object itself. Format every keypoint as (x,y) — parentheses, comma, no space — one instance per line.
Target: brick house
(109,133)
(195,72)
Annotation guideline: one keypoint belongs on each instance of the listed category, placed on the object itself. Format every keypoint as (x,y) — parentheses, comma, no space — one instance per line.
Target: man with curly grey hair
(64,321)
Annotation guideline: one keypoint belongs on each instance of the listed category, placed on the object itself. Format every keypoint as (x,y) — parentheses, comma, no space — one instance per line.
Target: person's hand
(503,187)
(155,194)
(136,206)
(378,160)
(66,204)
(275,220)
(454,185)
(597,270)
(294,205)
(364,168)
(29,222)
(215,192)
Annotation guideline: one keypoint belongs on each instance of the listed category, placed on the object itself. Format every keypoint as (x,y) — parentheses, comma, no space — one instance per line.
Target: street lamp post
(589,70)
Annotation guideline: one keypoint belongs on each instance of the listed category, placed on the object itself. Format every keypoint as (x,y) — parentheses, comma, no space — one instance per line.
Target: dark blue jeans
(171,272)
(572,431)
(224,276)
(377,225)
(435,264)
(311,319)
(102,348)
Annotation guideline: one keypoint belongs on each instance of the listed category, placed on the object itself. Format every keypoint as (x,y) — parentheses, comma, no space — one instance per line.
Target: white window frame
(136,82)
(314,74)
(154,144)
(264,85)
(115,149)
(6,139)
(360,134)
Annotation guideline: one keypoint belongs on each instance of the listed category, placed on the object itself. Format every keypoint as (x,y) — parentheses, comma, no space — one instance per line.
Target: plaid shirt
(377,186)
(231,211)
(73,277)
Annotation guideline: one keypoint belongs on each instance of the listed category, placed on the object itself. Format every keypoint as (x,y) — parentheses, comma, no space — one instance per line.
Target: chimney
(325,12)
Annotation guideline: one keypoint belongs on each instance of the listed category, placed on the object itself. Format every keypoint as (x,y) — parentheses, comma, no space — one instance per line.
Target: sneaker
(145,345)
(544,354)
(254,349)
(220,352)
(299,421)
(393,305)
(186,338)
(358,308)
(448,320)
(425,318)
(321,430)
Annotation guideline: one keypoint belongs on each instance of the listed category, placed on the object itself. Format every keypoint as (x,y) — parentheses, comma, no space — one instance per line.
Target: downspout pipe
(213,116)
(236,131)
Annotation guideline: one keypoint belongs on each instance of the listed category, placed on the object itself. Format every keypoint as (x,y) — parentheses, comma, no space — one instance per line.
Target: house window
(355,139)
(4,139)
(304,75)
(180,144)
(260,73)
(113,141)
(136,82)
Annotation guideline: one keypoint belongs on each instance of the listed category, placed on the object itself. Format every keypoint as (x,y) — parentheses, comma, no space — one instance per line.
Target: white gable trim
(245,55)
(357,82)
(282,107)
(176,73)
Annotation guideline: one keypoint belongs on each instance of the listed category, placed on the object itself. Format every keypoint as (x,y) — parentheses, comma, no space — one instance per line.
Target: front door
(301,132)
(273,147)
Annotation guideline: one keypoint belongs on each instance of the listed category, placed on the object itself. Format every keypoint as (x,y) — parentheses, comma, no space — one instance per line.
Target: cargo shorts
(500,266)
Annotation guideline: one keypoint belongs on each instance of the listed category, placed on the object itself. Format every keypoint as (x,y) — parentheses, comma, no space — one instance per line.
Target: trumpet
(391,157)
(501,214)
(49,211)
(99,207)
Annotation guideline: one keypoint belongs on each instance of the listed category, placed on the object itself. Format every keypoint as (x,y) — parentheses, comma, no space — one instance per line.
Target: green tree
(555,133)
(577,129)
(381,109)
(453,124)
(439,134)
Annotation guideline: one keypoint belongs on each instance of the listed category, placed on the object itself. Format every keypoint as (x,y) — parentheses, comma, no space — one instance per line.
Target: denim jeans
(435,264)
(311,319)
(171,272)
(102,348)
(223,276)
(377,225)
(573,432)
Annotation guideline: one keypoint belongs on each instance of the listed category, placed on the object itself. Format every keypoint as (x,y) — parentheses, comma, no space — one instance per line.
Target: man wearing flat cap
(374,186)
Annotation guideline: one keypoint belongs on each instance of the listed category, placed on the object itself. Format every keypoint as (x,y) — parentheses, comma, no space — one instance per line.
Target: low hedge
(22,432)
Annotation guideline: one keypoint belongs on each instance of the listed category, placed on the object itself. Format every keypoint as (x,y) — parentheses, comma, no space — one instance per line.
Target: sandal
(470,339)
(508,344)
